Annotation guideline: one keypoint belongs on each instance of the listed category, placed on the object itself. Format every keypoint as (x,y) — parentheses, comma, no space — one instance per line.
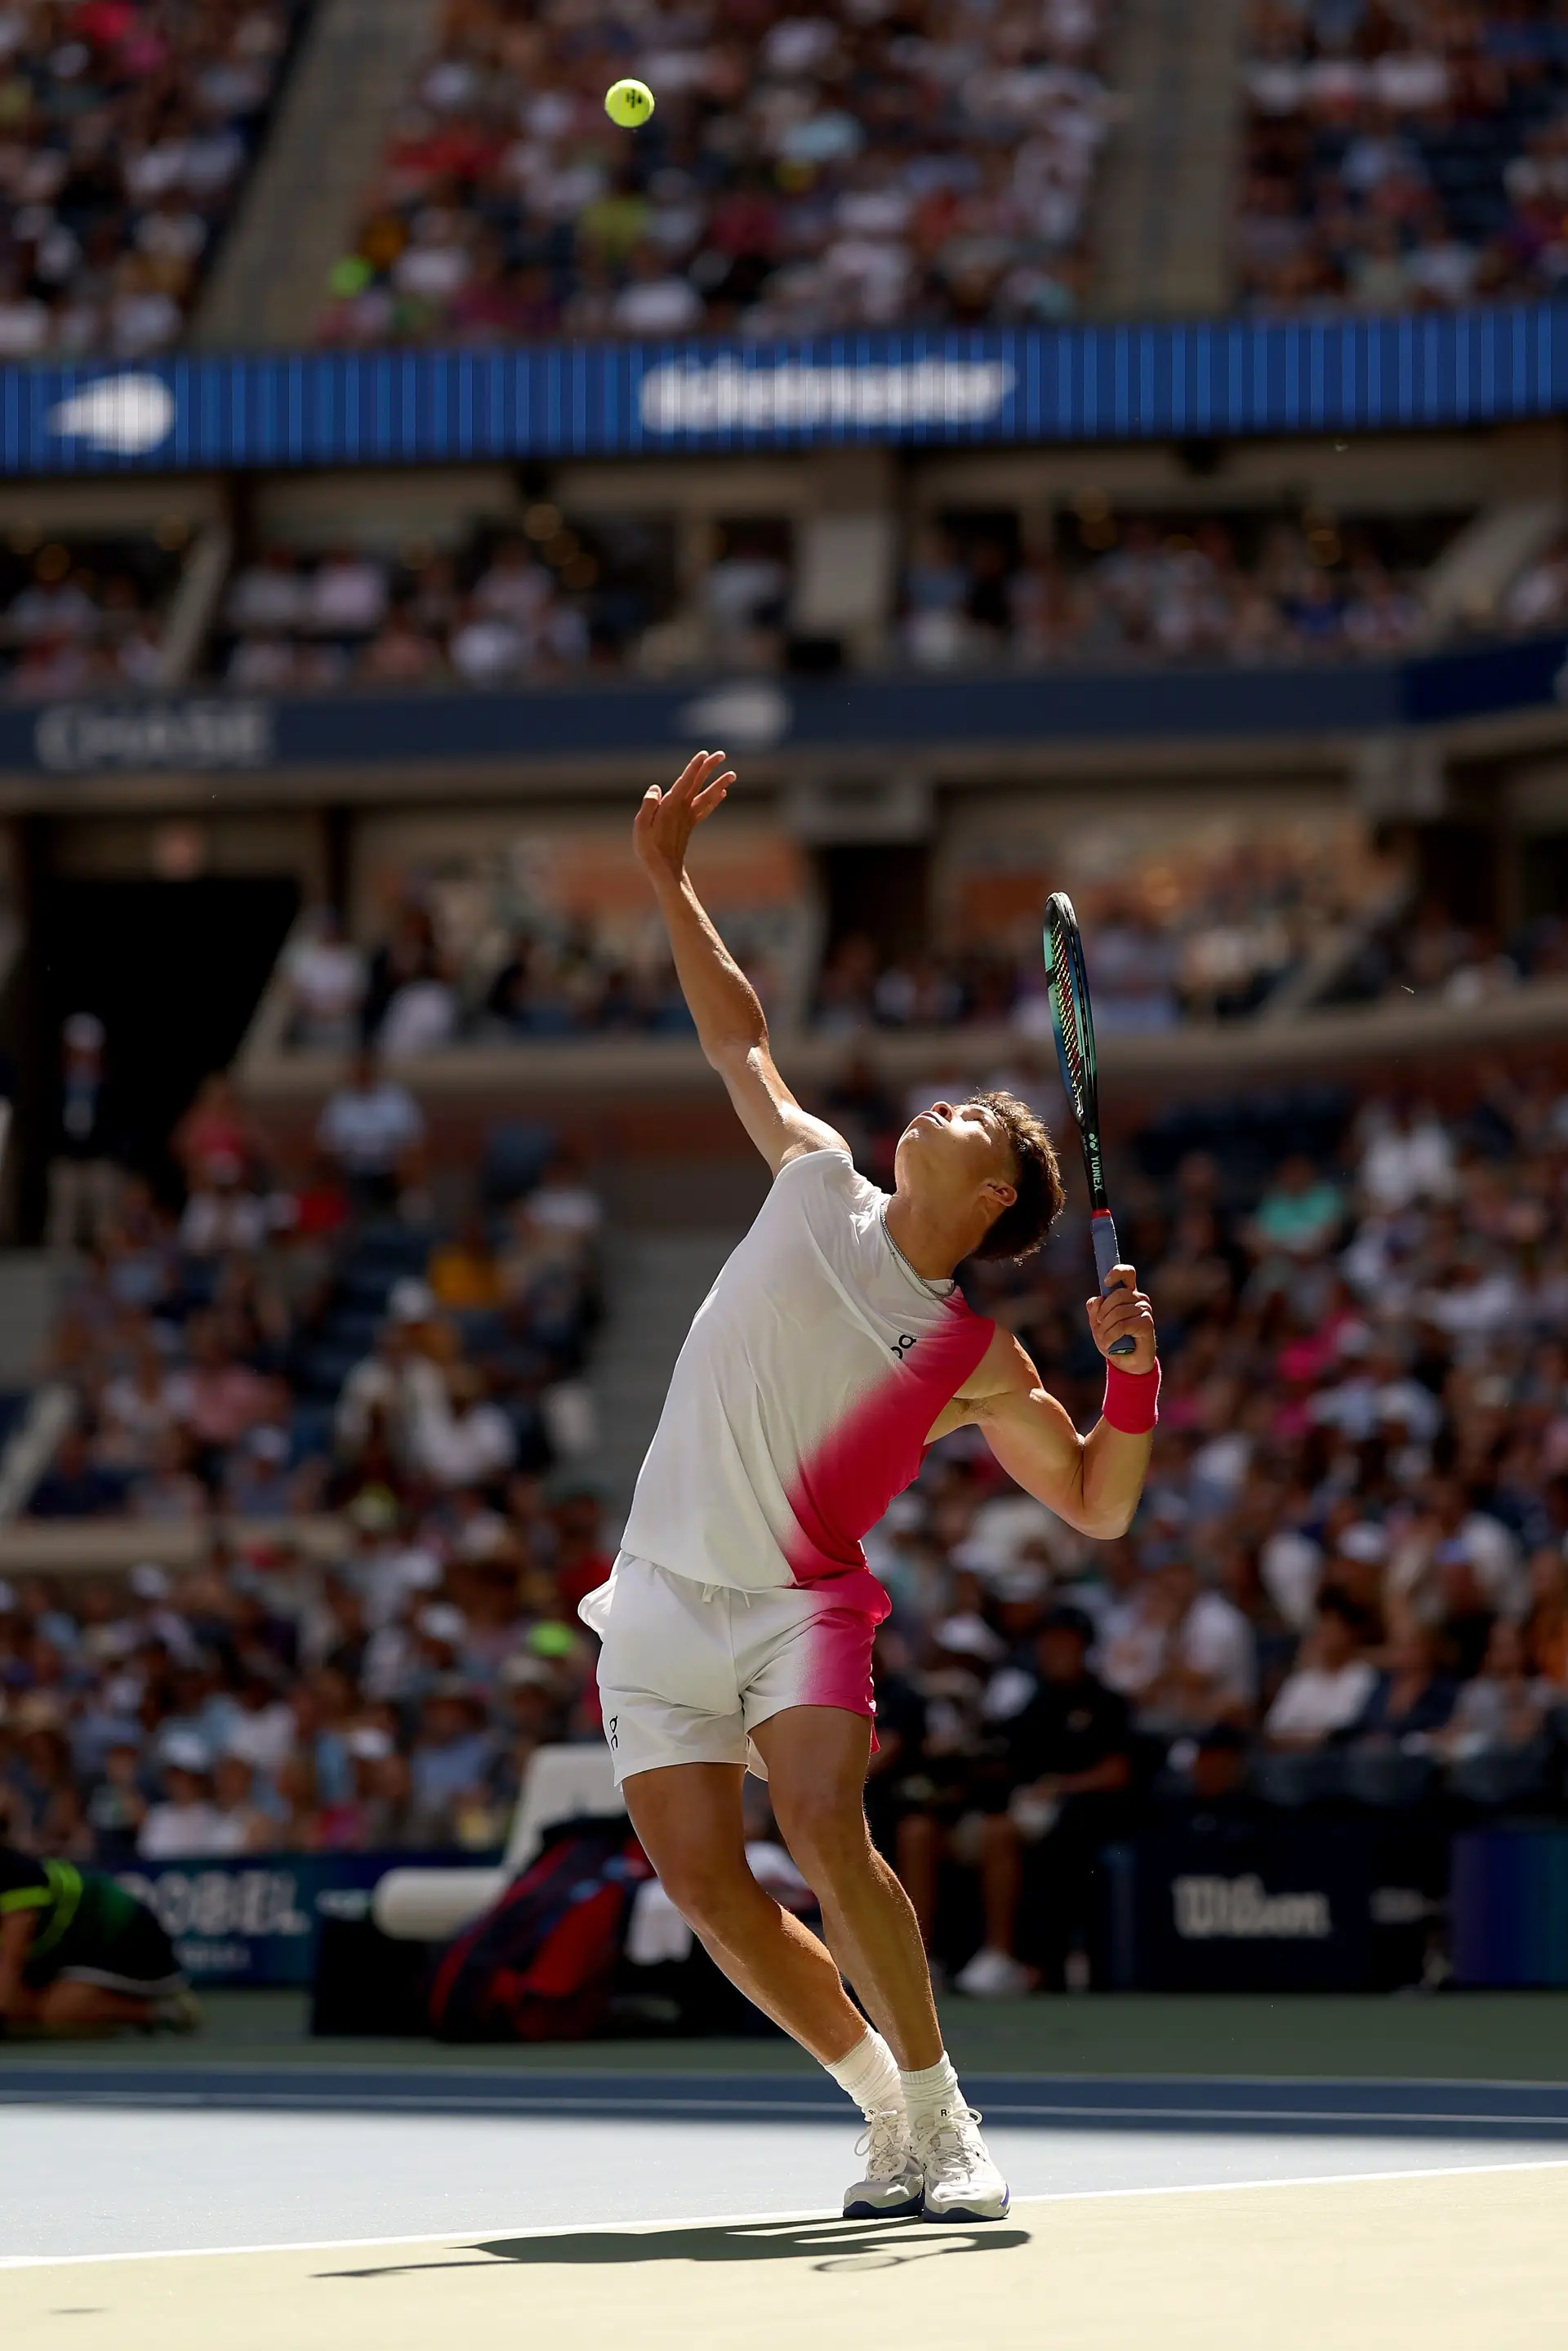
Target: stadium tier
(802,174)
(129,128)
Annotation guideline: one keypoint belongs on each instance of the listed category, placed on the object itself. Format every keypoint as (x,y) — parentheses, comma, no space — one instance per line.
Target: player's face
(953,1150)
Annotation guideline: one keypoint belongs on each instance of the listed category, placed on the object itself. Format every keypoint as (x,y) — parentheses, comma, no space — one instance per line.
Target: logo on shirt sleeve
(902,1343)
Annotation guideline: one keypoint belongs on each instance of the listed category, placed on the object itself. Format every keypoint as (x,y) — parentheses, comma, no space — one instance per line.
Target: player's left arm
(1093,1482)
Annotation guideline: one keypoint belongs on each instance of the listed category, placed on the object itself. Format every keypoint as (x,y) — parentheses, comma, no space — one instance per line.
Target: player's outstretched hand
(666,821)
(1125,1308)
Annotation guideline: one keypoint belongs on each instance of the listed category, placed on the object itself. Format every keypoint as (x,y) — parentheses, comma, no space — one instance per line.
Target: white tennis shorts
(688,1671)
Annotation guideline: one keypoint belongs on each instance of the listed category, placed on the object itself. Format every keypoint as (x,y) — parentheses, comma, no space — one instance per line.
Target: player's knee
(825,1832)
(709,1891)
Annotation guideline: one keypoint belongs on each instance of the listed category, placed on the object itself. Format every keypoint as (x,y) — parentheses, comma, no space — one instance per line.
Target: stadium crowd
(1347,1578)
(85,615)
(1403,154)
(289,1345)
(127,128)
(858,166)
(1220,954)
(415,991)
(492,614)
(561,599)
(551,598)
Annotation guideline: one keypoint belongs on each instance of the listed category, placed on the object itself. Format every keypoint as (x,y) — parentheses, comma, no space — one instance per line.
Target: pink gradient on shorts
(838,1659)
(841,1490)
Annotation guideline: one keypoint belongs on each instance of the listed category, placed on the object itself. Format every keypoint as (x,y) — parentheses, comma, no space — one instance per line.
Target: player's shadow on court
(834,2247)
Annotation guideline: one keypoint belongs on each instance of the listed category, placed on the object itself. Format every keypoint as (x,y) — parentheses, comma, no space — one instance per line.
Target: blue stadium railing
(1203,380)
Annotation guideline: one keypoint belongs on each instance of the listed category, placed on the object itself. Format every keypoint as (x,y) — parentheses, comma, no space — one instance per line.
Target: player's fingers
(1120,1310)
(711,795)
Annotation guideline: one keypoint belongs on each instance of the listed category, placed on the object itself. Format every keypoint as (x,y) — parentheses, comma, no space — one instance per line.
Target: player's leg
(669,1684)
(81,2007)
(688,1822)
(816,1758)
(995,1970)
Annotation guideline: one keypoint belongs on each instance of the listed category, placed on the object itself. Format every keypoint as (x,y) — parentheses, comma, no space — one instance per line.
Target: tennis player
(736,1625)
(78,1953)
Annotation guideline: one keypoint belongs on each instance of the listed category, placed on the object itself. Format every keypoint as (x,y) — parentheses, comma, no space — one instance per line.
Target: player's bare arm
(731,1026)
(1093,1482)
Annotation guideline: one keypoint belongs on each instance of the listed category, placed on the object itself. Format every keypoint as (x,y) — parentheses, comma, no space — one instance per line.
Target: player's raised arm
(1094,1482)
(731,1026)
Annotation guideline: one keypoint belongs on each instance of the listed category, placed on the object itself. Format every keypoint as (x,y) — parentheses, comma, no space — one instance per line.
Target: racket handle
(1103,1232)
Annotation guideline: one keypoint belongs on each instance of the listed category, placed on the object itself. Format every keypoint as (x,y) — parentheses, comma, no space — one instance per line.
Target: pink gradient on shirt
(841,1490)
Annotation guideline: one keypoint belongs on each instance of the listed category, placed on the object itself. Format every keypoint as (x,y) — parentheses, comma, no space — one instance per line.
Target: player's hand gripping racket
(1072,1019)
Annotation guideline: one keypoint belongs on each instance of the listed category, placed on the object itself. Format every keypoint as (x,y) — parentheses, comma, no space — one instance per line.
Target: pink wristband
(1132,1399)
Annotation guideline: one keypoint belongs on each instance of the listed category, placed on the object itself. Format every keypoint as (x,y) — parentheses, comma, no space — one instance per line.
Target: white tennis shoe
(962,2183)
(895,2184)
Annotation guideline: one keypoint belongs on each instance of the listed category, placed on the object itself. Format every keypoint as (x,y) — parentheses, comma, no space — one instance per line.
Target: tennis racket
(1073,1017)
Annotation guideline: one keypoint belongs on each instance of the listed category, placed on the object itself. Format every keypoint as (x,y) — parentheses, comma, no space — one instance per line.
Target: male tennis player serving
(737,1622)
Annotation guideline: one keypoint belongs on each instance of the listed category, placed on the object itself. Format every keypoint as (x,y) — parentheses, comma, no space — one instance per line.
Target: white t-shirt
(368,1131)
(185,1832)
(804,1397)
(1215,1640)
(1314,1703)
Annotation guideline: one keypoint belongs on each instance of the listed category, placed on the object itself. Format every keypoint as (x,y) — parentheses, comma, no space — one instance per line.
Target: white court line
(454,2237)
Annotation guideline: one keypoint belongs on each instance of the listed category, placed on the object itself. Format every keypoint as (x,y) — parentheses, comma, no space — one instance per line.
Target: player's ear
(1000,1194)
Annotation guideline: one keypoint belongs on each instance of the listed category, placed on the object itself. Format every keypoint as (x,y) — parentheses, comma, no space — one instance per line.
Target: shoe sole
(966,2212)
(910,2210)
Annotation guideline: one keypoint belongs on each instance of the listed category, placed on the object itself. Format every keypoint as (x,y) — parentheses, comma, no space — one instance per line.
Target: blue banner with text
(1171,381)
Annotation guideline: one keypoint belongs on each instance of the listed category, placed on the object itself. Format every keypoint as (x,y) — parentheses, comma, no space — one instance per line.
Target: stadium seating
(1402,157)
(128,128)
(856,168)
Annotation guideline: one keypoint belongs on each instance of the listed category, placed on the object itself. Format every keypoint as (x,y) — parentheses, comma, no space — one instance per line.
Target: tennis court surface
(250,2192)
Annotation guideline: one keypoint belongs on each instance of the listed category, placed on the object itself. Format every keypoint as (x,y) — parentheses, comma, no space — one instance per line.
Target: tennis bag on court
(540,1965)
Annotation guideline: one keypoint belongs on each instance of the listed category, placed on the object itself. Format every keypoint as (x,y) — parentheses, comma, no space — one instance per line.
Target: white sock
(869,2076)
(925,2094)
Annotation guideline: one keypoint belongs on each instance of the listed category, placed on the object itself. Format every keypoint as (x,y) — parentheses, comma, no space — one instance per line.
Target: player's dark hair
(1019,1230)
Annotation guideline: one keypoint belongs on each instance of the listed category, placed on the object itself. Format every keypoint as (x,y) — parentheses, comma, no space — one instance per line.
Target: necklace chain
(936,1289)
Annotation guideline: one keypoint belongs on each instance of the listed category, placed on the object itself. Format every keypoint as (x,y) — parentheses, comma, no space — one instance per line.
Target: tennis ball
(629,103)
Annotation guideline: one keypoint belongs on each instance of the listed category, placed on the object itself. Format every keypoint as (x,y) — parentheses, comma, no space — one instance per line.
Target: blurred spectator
(1332,1687)
(83,1179)
(371,1132)
(1067,1759)
(184,1824)
(1411,1701)
(325,979)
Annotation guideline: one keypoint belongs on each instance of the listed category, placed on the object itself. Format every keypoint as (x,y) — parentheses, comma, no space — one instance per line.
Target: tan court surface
(1466,2263)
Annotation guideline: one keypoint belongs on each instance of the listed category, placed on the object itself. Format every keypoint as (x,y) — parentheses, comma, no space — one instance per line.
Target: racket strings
(1067,1013)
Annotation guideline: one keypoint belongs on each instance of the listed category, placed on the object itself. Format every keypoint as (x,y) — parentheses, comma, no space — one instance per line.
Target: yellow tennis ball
(629,103)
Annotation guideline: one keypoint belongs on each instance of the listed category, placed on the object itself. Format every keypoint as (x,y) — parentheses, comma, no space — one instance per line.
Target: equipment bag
(540,1965)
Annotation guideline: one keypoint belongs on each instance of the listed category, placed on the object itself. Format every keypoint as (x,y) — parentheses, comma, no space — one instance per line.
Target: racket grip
(1103,1232)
